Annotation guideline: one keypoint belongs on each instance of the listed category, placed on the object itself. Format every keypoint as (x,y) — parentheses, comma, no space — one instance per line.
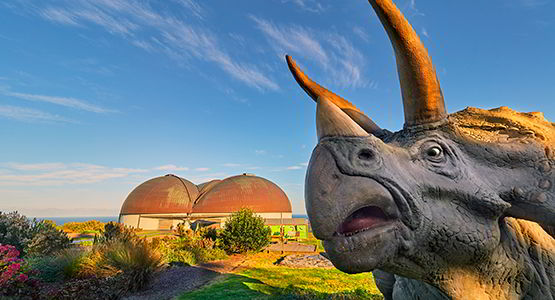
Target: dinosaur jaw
(357,217)
(363,219)
(367,236)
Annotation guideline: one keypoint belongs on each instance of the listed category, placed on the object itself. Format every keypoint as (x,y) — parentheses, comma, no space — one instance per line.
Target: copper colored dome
(165,194)
(233,193)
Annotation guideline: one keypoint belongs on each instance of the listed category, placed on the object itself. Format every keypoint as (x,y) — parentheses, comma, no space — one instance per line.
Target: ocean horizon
(106,219)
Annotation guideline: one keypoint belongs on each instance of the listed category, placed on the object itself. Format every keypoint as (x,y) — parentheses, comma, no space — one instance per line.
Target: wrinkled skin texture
(458,206)
(447,234)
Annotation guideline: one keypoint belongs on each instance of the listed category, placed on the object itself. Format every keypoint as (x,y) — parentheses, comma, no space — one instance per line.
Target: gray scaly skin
(458,206)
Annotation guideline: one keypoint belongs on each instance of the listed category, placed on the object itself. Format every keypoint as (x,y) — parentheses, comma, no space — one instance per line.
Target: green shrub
(188,251)
(137,260)
(31,237)
(46,239)
(114,231)
(15,230)
(203,255)
(64,265)
(244,231)
(209,233)
(80,227)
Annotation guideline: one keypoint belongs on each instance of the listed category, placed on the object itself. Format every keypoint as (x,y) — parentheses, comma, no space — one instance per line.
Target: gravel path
(175,281)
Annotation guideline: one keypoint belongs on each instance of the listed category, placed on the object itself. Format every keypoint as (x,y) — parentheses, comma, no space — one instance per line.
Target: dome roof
(233,193)
(165,194)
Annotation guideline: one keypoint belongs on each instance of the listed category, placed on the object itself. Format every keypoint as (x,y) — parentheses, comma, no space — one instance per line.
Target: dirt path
(174,281)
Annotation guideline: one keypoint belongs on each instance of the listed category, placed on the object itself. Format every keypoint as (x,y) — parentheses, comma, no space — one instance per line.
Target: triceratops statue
(458,206)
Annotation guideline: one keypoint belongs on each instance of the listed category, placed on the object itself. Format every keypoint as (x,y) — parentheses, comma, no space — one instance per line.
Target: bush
(188,251)
(81,227)
(89,288)
(243,232)
(31,237)
(209,233)
(47,239)
(16,276)
(137,260)
(64,265)
(15,230)
(114,231)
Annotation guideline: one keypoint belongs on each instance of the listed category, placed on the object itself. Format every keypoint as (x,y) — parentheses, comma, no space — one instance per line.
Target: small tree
(244,231)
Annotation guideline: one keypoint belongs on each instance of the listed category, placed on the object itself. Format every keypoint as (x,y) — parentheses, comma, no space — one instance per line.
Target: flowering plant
(15,274)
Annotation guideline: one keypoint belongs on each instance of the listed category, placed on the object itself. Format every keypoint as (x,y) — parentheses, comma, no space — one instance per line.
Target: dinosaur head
(430,196)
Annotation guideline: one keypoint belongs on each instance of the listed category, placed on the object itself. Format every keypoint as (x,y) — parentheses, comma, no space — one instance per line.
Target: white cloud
(425,33)
(232,165)
(29,115)
(294,168)
(361,33)
(35,167)
(165,33)
(260,152)
(63,101)
(171,167)
(202,169)
(56,174)
(195,8)
(336,55)
(308,5)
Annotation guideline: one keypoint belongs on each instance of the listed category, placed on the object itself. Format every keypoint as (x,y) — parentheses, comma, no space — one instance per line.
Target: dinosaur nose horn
(315,91)
(332,121)
(422,97)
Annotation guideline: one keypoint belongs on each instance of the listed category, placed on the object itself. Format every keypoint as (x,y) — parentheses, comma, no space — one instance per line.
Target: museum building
(163,202)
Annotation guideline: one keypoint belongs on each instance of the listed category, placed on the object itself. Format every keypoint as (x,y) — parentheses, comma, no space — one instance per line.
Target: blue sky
(99,96)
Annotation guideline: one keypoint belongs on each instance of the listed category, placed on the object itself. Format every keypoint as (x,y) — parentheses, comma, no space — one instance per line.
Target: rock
(306,261)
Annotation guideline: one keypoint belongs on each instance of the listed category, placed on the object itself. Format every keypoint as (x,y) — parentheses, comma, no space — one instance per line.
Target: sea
(63,220)
(106,219)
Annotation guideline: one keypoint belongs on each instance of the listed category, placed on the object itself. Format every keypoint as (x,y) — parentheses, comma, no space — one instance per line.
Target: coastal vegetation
(39,260)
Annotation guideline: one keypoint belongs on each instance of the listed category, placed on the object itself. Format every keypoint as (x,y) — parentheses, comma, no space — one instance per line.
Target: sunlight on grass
(259,278)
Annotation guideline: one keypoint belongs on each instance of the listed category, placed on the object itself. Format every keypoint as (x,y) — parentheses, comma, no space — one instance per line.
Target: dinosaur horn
(332,121)
(422,96)
(315,91)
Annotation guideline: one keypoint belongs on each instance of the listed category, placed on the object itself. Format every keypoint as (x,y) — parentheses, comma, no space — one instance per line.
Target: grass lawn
(259,278)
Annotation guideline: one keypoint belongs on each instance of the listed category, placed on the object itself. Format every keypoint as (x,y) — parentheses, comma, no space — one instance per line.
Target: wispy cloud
(299,166)
(232,165)
(171,168)
(157,31)
(361,33)
(63,101)
(308,5)
(425,33)
(56,174)
(260,152)
(202,169)
(534,3)
(30,115)
(340,60)
(414,10)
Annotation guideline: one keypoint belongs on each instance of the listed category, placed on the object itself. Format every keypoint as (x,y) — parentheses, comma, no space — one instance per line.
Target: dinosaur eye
(434,152)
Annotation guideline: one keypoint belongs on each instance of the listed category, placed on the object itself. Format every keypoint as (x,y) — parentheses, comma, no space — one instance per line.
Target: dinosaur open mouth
(361,220)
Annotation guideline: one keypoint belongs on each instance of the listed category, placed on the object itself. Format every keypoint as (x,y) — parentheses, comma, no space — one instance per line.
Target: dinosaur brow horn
(315,91)
(422,97)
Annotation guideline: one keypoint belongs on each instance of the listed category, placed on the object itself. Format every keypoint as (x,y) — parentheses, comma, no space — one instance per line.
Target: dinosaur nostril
(366,154)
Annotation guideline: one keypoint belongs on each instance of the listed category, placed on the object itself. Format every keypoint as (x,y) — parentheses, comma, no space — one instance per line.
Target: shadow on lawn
(232,286)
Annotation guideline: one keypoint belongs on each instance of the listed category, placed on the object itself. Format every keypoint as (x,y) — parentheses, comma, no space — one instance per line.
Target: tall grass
(137,260)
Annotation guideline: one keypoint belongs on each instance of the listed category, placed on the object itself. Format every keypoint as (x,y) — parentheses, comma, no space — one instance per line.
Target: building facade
(163,202)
